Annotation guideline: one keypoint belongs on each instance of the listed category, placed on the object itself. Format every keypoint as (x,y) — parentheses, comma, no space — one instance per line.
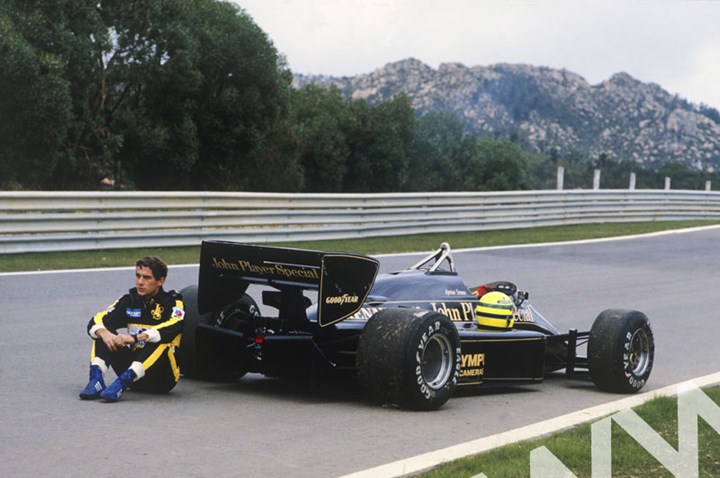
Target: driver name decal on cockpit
(452,292)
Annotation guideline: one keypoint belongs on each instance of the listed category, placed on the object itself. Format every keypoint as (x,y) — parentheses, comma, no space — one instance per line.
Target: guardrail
(66,221)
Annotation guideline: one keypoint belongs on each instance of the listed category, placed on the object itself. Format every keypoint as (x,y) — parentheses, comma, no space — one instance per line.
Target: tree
(35,107)
(437,147)
(682,177)
(709,111)
(379,138)
(321,117)
(277,166)
(164,94)
(493,166)
(205,89)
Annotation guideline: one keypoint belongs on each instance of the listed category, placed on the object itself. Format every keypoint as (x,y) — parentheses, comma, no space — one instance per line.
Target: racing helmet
(495,310)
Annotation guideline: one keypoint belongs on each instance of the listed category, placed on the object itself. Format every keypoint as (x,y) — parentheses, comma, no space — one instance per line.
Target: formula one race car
(410,337)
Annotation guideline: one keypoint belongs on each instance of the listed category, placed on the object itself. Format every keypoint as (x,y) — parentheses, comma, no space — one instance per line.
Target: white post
(633,179)
(708,185)
(667,183)
(560,178)
(596,179)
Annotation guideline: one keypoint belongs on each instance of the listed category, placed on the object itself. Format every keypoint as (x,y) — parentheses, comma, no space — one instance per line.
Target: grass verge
(572,448)
(374,245)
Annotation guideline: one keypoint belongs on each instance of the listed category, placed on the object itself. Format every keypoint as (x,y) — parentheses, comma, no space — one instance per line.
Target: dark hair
(155,264)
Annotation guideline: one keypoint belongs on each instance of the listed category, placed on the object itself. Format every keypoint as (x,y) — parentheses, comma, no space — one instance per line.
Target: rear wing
(343,281)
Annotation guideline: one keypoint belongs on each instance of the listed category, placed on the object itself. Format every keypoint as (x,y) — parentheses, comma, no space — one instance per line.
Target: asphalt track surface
(268,427)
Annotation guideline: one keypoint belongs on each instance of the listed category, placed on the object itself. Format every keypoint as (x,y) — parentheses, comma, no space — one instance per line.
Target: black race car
(410,337)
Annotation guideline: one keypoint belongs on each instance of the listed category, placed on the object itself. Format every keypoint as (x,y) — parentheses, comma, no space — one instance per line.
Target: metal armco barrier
(70,221)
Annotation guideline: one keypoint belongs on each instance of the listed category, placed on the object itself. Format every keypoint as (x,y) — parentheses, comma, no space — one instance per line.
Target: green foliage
(277,165)
(154,94)
(35,107)
(355,146)
(192,94)
(496,166)
(379,140)
(573,448)
(205,88)
(321,118)
(243,103)
(437,151)
(681,176)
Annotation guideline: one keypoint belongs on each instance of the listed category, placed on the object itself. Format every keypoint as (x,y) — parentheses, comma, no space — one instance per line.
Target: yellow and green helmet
(495,310)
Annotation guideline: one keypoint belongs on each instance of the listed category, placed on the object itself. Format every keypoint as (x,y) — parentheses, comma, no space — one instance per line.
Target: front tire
(409,357)
(621,351)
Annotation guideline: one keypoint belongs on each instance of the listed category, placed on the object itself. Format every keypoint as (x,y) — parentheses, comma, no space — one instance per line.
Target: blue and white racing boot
(115,390)
(95,386)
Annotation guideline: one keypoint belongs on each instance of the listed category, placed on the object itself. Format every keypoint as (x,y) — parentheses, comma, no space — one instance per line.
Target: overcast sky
(674,43)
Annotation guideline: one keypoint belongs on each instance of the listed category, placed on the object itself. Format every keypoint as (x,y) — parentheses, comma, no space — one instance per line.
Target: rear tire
(219,364)
(621,351)
(186,353)
(409,357)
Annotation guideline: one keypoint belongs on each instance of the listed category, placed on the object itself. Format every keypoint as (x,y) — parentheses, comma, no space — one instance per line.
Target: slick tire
(186,354)
(621,351)
(410,358)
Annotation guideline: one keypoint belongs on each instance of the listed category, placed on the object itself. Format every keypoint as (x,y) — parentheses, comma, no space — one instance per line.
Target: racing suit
(161,318)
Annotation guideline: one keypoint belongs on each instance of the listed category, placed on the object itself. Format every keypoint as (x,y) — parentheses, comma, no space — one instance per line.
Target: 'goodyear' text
(342,299)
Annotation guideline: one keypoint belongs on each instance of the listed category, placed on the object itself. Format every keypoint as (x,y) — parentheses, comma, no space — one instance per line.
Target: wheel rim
(639,354)
(437,362)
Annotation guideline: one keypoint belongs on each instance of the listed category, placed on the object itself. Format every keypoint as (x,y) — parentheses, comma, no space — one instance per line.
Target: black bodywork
(324,300)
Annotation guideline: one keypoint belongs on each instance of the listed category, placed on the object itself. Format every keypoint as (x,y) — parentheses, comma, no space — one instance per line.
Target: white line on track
(428,460)
(489,248)
(563,243)
(97,269)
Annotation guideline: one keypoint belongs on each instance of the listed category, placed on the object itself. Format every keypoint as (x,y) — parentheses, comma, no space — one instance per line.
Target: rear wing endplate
(343,281)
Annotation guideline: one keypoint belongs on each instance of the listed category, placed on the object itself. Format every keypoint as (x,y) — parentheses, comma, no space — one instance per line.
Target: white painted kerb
(536,430)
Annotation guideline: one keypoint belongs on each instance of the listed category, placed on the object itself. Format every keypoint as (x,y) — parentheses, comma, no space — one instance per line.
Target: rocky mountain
(555,112)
